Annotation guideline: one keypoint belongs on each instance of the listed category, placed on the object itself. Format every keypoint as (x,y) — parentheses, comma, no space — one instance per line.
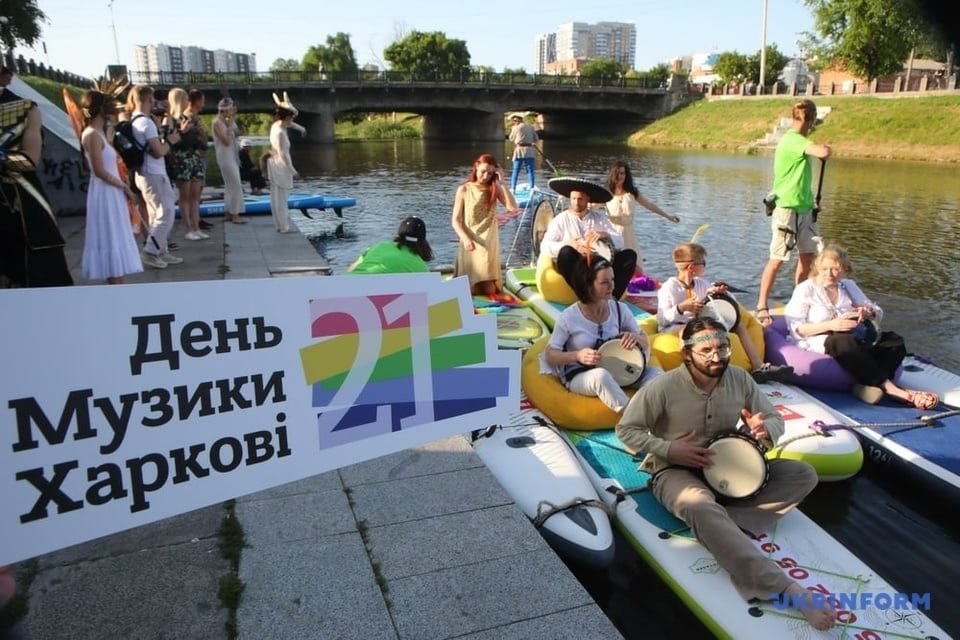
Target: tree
(872,38)
(428,55)
(602,68)
(285,64)
(336,56)
(22,25)
(658,73)
(775,63)
(733,67)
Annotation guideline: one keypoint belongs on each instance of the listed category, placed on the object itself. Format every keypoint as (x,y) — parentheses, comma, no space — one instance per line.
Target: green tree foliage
(602,67)
(285,64)
(659,73)
(337,55)
(733,67)
(427,55)
(871,38)
(22,24)
(510,71)
(775,63)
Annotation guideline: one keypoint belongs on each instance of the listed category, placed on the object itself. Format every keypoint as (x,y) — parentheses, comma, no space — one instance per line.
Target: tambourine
(722,308)
(625,365)
(867,332)
(739,470)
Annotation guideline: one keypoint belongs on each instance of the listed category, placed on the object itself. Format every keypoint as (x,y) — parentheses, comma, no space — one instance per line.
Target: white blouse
(573,331)
(810,304)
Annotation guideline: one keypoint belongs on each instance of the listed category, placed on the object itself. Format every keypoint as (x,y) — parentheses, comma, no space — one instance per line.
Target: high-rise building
(576,42)
(154,59)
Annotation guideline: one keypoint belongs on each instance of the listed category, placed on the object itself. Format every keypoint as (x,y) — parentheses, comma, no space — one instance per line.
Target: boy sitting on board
(683,297)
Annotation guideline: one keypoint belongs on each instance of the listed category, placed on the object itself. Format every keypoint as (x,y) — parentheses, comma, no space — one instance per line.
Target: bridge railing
(464,77)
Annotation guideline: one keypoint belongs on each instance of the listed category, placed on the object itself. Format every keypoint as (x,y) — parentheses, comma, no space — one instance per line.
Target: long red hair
(486,158)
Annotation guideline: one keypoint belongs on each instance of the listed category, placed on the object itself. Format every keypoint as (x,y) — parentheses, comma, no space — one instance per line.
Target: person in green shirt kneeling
(408,252)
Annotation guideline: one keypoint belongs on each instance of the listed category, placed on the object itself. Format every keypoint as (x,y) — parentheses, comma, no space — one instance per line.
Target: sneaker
(205,225)
(771,373)
(172,246)
(170,258)
(151,260)
(194,235)
(203,236)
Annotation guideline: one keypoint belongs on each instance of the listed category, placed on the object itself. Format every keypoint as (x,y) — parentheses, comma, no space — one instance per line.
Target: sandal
(922,400)
(764,317)
(236,219)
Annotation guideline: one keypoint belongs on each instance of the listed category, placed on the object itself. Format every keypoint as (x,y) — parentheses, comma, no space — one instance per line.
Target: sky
(79,36)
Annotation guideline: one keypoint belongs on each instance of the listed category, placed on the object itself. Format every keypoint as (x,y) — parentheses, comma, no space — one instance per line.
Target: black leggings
(571,264)
(868,365)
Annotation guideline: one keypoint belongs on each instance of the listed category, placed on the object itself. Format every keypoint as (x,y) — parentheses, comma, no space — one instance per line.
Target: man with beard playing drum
(672,418)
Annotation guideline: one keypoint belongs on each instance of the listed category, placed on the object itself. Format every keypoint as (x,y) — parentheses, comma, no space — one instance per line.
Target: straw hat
(594,191)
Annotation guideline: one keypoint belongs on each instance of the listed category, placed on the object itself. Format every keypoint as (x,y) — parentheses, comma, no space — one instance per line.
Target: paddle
(556,174)
(816,208)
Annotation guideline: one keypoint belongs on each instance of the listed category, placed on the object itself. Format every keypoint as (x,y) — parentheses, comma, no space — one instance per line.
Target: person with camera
(825,315)
(792,221)
(474,220)
(152,180)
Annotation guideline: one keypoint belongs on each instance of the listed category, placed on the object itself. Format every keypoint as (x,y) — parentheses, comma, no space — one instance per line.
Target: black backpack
(126,144)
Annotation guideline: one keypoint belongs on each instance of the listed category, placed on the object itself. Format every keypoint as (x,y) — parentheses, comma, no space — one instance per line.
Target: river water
(898,220)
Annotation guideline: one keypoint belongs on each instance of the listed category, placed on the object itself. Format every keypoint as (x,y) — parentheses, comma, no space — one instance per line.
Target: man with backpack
(151,178)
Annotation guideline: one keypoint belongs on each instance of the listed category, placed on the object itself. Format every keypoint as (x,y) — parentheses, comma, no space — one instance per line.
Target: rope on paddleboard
(884,632)
(546,509)
(820,428)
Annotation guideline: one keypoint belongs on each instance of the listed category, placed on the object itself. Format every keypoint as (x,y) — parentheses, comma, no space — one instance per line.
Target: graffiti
(64,174)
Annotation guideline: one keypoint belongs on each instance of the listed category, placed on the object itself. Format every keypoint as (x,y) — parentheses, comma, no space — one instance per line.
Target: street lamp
(113,25)
(763,50)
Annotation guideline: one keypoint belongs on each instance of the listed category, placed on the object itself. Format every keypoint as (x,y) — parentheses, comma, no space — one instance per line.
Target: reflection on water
(897,219)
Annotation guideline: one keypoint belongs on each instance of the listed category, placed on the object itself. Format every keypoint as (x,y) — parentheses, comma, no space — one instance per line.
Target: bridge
(466,106)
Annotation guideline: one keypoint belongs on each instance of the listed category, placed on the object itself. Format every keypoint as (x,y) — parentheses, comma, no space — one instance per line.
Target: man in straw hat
(524,137)
(574,235)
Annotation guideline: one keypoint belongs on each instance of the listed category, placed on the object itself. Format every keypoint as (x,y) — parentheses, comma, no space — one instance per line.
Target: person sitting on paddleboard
(575,233)
(408,252)
(823,315)
(681,298)
(572,353)
(672,418)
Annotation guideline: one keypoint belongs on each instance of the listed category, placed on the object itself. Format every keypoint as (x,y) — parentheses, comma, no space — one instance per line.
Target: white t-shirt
(145,129)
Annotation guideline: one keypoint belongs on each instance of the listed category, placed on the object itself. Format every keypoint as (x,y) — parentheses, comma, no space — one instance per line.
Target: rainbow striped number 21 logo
(386,363)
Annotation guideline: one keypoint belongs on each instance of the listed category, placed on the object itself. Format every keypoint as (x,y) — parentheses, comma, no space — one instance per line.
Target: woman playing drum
(573,353)
(672,418)
(819,318)
(684,296)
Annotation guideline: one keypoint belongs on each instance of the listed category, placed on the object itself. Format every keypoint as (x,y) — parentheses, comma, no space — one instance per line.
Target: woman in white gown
(225,145)
(109,251)
(623,206)
(280,167)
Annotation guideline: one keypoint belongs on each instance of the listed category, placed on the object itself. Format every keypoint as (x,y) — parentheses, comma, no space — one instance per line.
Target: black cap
(412,229)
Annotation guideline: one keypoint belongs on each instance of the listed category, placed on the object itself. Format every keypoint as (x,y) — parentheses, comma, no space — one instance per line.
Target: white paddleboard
(537,468)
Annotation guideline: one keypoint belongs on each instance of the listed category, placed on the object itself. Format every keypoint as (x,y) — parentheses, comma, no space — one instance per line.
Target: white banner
(123,405)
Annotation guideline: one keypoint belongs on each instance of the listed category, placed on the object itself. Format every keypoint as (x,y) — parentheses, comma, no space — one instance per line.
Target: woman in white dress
(225,145)
(280,167)
(623,206)
(109,251)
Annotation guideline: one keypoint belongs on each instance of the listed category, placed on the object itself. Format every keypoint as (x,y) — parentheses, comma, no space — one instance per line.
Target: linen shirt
(671,405)
(810,304)
(566,227)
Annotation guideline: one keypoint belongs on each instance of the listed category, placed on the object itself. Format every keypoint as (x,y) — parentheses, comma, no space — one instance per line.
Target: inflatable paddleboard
(518,325)
(261,204)
(537,468)
(807,553)
(922,447)
(522,283)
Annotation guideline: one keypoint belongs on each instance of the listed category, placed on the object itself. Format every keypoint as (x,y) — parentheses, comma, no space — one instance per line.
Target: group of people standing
(175,143)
